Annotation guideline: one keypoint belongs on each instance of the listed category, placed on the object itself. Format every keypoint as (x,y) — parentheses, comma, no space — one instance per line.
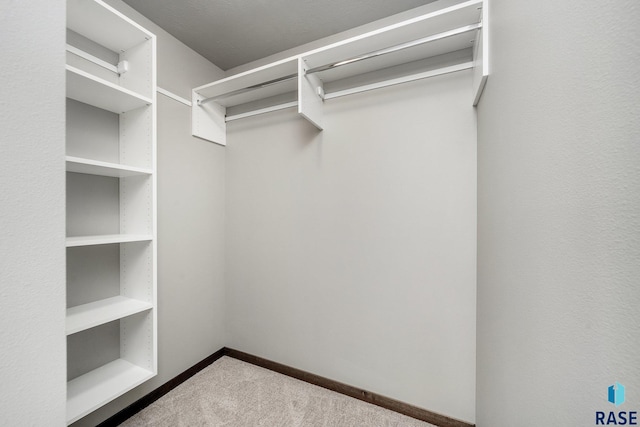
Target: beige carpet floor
(232,393)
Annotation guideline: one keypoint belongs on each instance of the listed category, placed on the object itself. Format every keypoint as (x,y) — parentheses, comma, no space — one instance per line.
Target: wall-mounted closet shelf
(107,239)
(96,313)
(95,388)
(451,36)
(96,167)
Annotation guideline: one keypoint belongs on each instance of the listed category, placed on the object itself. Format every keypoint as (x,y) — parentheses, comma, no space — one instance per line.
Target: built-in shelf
(93,389)
(96,313)
(107,239)
(89,89)
(111,72)
(449,36)
(96,167)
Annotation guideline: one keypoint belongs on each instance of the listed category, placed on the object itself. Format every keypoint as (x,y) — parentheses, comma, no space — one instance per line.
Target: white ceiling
(234,32)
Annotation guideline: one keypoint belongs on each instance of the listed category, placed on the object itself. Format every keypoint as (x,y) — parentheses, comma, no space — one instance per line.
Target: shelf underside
(96,313)
(93,389)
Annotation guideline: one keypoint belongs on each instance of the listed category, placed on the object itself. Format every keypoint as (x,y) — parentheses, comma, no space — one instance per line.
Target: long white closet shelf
(96,313)
(92,390)
(258,76)
(450,36)
(96,167)
(100,93)
(107,239)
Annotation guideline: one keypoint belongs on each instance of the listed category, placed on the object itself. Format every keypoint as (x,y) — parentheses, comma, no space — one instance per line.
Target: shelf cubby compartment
(115,358)
(449,36)
(102,209)
(99,38)
(88,89)
(92,390)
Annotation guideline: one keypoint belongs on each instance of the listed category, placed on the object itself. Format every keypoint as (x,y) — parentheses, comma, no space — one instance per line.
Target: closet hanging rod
(249,88)
(407,45)
(397,48)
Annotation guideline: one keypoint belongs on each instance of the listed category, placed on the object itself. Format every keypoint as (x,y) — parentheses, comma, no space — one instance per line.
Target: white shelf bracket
(208,120)
(310,95)
(481,55)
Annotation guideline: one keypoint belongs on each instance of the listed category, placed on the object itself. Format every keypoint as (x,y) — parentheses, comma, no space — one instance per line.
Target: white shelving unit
(451,36)
(111,206)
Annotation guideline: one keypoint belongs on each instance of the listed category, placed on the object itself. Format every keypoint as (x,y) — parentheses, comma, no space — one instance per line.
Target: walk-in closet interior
(432,210)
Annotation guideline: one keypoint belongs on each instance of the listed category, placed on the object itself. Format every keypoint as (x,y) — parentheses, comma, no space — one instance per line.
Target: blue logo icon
(616,394)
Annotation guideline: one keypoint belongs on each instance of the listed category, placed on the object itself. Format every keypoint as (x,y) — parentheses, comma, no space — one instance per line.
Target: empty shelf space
(96,313)
(86,88)
(101,23)
(107,239)
(96,167)
(92,390)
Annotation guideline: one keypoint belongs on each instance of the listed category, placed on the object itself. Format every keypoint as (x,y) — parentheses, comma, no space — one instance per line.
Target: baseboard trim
(148,399)
(355,392)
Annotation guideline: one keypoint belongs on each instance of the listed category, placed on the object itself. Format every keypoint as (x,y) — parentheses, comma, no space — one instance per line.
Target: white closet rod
(397,48)
(399,80)
(364,88)
(91,58)
(261,111)
(249,88)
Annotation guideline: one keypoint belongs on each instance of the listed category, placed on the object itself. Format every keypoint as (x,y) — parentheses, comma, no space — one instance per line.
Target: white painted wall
(351,253)
(558,213)
(191,189)
(32,222)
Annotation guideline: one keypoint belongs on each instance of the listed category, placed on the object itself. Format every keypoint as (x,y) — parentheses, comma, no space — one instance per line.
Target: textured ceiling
(234,32)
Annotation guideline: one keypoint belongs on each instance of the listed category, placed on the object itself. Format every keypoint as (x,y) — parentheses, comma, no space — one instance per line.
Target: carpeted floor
(232,393)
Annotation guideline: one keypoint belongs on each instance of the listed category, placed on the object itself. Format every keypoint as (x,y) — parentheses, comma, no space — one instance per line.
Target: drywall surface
(32,221)
(191,188)
(559,213)
(351,253)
